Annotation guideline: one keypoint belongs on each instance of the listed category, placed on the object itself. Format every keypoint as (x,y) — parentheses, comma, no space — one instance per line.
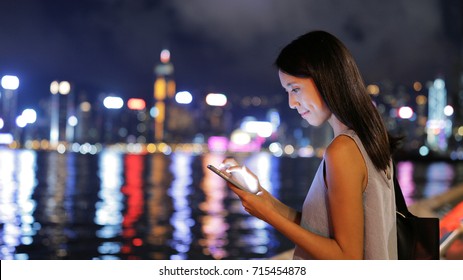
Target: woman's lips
(303,114)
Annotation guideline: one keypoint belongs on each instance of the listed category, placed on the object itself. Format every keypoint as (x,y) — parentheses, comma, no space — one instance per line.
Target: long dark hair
(324,58)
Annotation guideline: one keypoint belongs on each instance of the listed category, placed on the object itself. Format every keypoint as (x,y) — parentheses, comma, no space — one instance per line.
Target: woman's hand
(259,202)
(260,205)
(227,163)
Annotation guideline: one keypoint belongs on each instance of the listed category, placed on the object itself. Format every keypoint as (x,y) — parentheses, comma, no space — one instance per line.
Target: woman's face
(304,96)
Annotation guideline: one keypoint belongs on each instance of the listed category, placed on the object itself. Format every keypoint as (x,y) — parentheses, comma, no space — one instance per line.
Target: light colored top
(380,233)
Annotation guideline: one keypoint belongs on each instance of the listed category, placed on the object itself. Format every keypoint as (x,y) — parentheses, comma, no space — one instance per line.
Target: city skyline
(113,46)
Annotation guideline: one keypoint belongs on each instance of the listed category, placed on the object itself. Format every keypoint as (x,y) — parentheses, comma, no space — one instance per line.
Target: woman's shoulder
(342,143)
(344,159)
(344,150)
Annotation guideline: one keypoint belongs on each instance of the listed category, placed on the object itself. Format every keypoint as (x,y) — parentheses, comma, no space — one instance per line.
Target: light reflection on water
(109,208)
(420,180)
(213,224)
(181,219)
(17,183)
(125,206)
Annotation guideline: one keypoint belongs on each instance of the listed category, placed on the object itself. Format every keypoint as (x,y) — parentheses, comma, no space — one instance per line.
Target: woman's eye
(295,90)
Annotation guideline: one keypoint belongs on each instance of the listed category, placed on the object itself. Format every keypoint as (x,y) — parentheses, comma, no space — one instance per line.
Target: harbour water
(113,205)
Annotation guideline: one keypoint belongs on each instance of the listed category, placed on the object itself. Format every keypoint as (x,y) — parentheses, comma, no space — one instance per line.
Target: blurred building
(85,131)
(62,108)
(439,126)
(9,101)
(181,125)
(215,119)
(164,91)
(136,121)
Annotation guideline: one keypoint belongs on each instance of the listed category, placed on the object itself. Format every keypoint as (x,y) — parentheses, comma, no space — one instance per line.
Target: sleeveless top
(380,233)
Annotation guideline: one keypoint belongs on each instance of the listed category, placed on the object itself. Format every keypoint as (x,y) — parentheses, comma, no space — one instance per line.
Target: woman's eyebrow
(290,84)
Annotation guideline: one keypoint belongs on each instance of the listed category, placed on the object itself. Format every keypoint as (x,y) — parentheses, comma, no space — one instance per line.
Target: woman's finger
(227,163)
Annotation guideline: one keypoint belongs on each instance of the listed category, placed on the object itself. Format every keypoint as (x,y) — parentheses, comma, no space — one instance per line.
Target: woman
(349,211)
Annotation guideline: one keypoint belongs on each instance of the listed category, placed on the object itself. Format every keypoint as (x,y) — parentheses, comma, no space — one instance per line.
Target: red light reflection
(133,189)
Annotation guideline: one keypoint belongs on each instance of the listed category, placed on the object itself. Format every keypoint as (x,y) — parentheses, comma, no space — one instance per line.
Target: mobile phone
(226,177)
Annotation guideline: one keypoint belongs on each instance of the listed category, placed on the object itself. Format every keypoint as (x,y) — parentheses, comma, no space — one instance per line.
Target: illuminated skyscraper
(164,91)
(438,126)
(61,107)
(9,100)
(85,129)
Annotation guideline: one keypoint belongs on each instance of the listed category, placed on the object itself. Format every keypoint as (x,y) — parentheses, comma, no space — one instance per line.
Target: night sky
(228,46)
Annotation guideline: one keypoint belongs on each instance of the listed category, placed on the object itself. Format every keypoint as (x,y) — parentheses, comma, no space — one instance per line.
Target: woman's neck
(337,126)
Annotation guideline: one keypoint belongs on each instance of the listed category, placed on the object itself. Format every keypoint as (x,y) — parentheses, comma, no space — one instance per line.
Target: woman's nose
(292,101)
